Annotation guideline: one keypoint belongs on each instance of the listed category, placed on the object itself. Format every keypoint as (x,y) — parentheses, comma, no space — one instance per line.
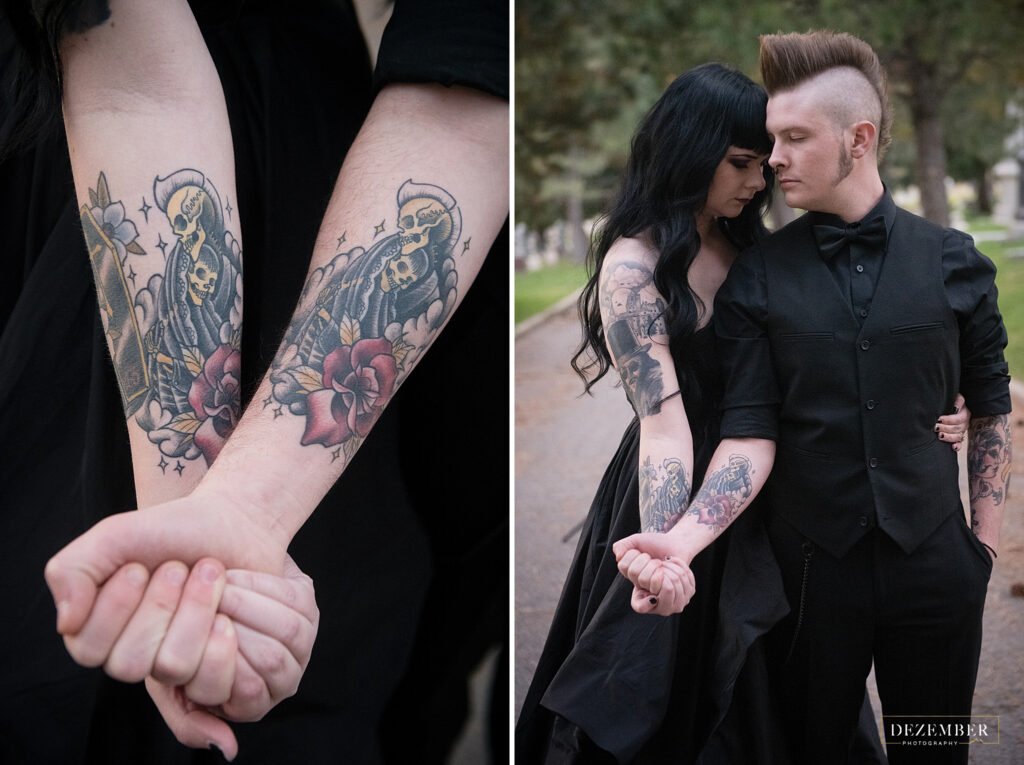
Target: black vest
(856,443)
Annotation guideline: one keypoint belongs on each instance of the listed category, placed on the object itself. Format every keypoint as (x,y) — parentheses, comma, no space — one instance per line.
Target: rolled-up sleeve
(750,406)
(971,291)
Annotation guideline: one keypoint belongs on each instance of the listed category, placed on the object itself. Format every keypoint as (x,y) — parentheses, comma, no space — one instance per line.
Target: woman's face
(739,176)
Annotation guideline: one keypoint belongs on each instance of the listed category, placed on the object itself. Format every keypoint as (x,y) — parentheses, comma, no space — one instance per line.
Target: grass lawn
(1010,280)
(536,290)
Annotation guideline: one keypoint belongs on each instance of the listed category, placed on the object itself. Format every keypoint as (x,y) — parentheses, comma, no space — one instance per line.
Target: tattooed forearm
(724,493)
(366,317)
(989,454)
(664,491)
(633,314)
(175,339)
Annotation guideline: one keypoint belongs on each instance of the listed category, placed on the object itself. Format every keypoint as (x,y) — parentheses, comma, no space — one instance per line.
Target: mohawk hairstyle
(790,59)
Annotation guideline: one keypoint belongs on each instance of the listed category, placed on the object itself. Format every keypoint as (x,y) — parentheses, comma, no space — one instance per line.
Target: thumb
(192,725)
(623,546)
(75,574)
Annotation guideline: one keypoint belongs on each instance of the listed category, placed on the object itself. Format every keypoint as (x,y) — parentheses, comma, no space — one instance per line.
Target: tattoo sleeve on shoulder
(366,317)
(664,492)
(724,493)
(989,454)
(176,338)
(634,314)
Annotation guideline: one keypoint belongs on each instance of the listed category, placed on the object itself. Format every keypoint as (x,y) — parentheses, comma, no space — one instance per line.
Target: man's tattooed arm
(724,494)
(989,456)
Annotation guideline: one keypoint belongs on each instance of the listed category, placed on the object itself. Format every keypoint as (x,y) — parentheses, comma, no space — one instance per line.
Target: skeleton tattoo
(632,312)
(176,341)
(724,493)
(989,452)
(664,492)
(365,317)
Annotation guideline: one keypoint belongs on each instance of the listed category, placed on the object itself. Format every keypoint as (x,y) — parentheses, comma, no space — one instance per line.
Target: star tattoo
(131,275)
(379,228)
(465,245)
(146,207)
(277,412)
(227,207)
(267,400)
(179,468)
(162,464)
(162,245)
(341,239)
(335,454)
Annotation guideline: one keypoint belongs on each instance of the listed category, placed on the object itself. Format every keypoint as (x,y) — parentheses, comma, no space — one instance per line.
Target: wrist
(247,502)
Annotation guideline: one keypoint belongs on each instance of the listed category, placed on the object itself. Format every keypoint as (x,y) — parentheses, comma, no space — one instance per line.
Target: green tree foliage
(587,70)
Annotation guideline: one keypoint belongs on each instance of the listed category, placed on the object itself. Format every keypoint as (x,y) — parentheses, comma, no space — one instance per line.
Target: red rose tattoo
(358,383)
(214,396)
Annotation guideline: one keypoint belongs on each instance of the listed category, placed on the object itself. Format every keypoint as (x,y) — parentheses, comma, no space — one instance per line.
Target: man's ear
(864,138)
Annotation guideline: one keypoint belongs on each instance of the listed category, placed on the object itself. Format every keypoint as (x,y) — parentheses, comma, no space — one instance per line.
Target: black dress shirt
(751,404)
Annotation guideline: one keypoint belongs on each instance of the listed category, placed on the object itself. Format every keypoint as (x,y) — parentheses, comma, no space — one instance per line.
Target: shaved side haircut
(788,60)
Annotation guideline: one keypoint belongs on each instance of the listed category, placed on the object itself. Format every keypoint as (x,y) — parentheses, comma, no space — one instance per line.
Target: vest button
(863,520)
(864,345)
(871,404)
(873,462)
(863,313)
(860,268)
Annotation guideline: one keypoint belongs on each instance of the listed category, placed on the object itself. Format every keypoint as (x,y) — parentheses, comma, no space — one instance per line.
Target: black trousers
(918,616)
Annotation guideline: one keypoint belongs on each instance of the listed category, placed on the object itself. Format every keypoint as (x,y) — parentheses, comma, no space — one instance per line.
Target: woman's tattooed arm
(633,315)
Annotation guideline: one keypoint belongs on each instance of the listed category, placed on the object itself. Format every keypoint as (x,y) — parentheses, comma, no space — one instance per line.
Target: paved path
(563,443)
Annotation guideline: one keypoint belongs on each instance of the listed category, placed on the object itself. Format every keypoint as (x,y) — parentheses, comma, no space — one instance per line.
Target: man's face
(809,156)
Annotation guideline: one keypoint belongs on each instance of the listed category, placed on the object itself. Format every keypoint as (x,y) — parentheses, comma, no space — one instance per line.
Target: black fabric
(297,86)
(919,616)
(752,399)
(615,685)
(858,402)
(455,42)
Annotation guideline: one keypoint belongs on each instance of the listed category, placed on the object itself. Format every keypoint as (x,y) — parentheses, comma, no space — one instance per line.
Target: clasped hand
(135,596)
(662,580)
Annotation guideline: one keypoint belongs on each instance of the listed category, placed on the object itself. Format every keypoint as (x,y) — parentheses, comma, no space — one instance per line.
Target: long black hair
(675,152)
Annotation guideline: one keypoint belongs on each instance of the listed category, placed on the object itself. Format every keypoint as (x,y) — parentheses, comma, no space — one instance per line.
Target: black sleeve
(750,406)
(971,291)
(451,42)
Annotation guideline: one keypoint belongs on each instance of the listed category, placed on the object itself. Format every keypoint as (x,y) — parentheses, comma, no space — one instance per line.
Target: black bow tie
(831,239)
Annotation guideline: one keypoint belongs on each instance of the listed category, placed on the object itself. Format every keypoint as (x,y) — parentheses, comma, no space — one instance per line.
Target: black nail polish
(654,601)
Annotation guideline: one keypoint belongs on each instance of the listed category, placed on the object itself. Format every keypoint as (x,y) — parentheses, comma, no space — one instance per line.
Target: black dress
(609,677)
(612,685)
(298,84)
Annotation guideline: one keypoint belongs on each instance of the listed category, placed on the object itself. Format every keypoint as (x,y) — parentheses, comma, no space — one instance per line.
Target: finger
(287,625)
(648,578)
(626,561)
(956,447)
(639,563)
(191,725)
(643,601)
(294,589)
(182,648)
(272,662)
(621,547)
(135,650)
(216,675)
(250,698)
(114,605)
(959,402)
